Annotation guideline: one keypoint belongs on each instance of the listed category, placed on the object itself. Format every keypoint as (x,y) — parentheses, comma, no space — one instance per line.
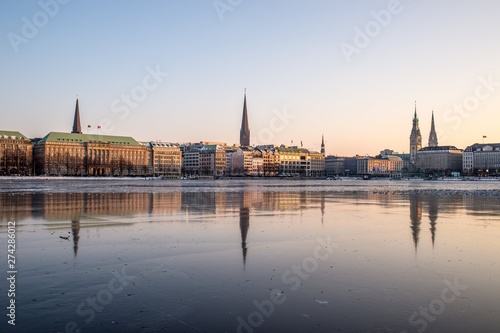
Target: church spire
(415,138)
(245,129)
(323,144)
(433,140)
(77,127)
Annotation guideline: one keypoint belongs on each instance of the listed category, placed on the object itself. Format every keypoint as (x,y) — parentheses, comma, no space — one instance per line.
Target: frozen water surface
(135,255)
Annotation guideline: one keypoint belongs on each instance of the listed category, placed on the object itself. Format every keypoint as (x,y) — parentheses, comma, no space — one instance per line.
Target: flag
(484,136)
(98,126)
(89,126)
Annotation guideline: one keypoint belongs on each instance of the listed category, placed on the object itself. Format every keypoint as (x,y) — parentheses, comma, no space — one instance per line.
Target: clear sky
(176,70)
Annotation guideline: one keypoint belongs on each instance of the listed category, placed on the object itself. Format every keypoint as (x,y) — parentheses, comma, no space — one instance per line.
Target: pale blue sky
(287,54)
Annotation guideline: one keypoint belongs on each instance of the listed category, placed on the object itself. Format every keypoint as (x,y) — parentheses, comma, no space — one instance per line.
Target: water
(252,256)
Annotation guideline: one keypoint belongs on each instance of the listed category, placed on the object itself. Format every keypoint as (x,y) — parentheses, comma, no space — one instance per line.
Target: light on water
(254,256)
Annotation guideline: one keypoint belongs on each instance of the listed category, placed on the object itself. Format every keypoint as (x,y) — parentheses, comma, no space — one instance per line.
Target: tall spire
(323,144)
(433,140)
(245,130)
(415,138)
(77,127)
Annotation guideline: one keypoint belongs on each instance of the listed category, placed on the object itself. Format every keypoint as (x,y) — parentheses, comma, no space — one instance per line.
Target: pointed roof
(433,140)
(77,127)
(245,129)
(415,131)
(244,119)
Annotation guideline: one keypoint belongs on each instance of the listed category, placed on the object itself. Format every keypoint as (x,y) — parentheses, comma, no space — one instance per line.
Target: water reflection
(80,210)
(415,217)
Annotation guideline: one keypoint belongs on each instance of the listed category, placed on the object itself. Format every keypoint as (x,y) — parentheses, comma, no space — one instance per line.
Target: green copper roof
(77,137)
(11,134)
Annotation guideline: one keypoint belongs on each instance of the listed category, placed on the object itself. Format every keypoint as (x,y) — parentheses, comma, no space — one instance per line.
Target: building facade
(16,154)
(482,160)
(380,166)
(334,166)
(440,159)
(165,159)
(74,154)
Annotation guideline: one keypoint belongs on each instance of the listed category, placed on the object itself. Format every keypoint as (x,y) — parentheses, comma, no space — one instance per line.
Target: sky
(177,71)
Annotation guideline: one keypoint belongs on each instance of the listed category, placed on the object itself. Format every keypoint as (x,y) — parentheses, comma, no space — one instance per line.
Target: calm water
(252,256)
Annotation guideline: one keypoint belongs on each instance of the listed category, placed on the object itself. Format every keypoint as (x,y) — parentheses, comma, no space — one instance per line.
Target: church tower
(415,138)
(77,127)
(323,145)
(433,140)
(245,130)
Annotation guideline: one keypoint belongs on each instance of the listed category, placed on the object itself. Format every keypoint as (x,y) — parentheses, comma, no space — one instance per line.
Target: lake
(132,255)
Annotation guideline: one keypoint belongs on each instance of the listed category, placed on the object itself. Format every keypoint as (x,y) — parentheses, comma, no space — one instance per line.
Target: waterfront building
(270,159)
(166,159)
(317,164)
(440,159)
(334,166)
(294,161)
(212,161)
(415,138)
(16,154)
(380,166)
(191,163)
(73,154)
(257,166)
(482,159)
(77,154)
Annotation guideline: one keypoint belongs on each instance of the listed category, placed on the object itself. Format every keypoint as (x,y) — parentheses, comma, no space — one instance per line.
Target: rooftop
(81,138)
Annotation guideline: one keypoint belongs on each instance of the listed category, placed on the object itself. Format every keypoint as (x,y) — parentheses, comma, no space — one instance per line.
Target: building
(77,154)
(245,129)
(415,138)
(270,159)
(74,154)
(166,159)
(482,159)
(317,164)
(191,163)
(212,161)
(380,166)
(294,161)
(257,166)
(16,154)
(334,166)
(440,159)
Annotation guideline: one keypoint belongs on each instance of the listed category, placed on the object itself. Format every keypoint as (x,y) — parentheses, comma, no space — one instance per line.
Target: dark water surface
(252,256)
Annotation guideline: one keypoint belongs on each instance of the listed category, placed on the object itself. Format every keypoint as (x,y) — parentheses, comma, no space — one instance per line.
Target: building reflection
(244,223)
(433,216)
(415,217)
(75,233)
(74,212)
